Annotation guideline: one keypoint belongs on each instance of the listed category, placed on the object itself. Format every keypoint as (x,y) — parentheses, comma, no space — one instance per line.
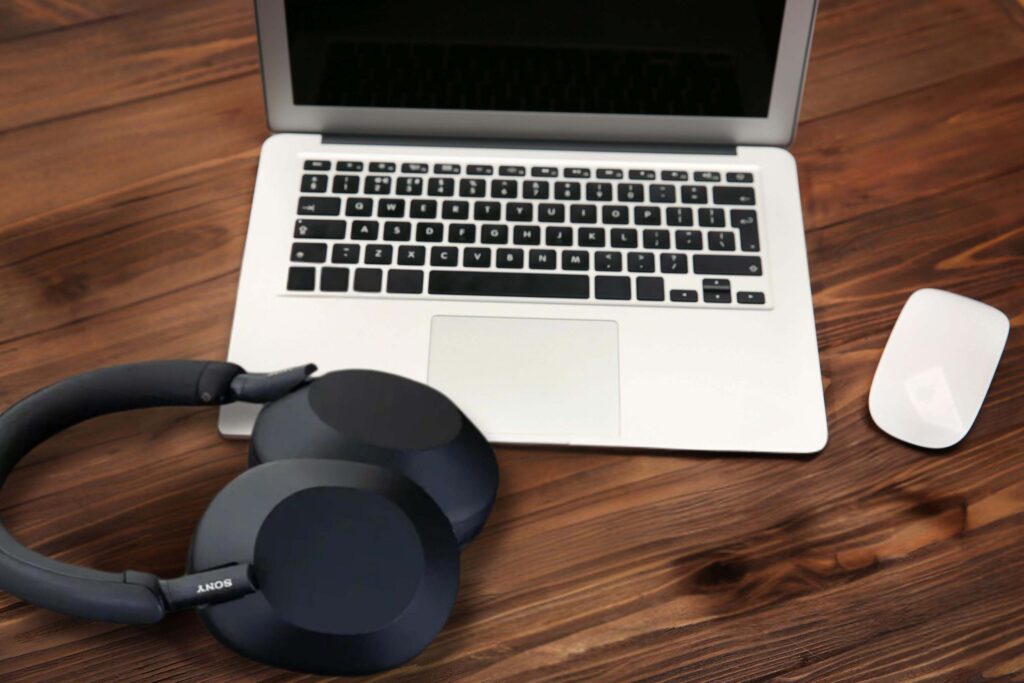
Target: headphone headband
(128,597)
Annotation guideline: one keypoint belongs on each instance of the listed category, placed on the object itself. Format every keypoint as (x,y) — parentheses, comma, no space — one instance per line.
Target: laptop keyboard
(595,233)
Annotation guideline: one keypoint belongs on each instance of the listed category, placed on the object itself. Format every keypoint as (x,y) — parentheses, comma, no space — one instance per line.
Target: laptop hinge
(501,143)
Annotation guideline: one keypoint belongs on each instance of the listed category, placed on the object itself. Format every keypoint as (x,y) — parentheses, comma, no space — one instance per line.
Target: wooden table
(129,135)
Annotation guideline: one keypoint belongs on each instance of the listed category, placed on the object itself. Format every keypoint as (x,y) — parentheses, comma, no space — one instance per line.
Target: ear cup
(389,421)
(356,566)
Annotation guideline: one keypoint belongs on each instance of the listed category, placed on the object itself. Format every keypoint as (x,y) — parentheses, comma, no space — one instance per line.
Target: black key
(429,232)
(543,259)
(377,184)
(717,292)
(454,210)
(608,260)
(567,190)
(746,221)
(447,169)
(599,192)
(423,208)
(650,289)
(414,168)
(351,166)
(412,255)
(663,194)
(313,229)
(319,206)
(591,237)
(656,239)
(544,172)
(518,211)
(472,187)
(707,176)
(693,194)
(378,254)
(683,295)
(345,184)
(551,213)
(555,285)
(477,257)
(487,211)
(391,208)
(641,175)
(721,241)
(678,215)
(410,186)
(711,218)
(558,237)
(479,169)
(405,281)
(526,234)
(444,256)
(358,206)
(647,215)
(365,230)
(606,287)
(577,173)
(733,195)
(689,239)
(314,183)
(673,263)
(739,177)
(397,231)
(301,279)
(631,192)
(749,298)
(624,238)
(367,280)
(462,233)
(494,233)
(441,187)
(317,165)
(721,264)
(345,253)
(512,170)
(674,175)
(640,262)
(716,284)
(609,173)
(382,167)
(536,189)
(615,214)
(583,213)
(509,258)
(575,260)
(334,279)
(504,189)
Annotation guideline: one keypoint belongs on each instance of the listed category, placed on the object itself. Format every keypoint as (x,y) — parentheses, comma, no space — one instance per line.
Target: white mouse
(936,368)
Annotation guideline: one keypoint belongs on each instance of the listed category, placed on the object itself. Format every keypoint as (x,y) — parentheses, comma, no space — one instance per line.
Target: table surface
(129,137)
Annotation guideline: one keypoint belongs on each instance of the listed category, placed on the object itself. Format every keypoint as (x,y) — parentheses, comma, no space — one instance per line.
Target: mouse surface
(936,368)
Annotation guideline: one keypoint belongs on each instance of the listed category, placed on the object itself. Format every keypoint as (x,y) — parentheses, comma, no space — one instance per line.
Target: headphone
(336,552)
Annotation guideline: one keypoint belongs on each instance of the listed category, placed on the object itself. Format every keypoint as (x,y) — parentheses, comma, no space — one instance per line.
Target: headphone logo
(215,586)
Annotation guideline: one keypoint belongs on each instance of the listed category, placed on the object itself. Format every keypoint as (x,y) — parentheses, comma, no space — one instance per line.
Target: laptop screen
(664,57)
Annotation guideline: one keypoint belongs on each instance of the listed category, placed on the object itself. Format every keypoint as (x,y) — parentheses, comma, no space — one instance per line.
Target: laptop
(575,218)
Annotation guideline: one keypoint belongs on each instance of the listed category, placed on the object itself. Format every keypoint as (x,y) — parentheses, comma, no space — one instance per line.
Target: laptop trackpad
(527,376)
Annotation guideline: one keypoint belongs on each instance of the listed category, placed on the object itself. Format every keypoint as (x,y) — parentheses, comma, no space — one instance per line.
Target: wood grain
(129,135)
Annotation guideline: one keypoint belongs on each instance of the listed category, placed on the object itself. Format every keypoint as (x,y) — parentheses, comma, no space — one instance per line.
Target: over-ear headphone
(336,552)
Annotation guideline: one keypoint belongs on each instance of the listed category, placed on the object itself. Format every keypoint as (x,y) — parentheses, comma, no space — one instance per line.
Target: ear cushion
(356,566)
(389,421)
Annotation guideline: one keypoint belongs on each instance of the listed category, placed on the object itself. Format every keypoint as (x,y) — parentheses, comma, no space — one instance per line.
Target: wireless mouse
(936,368)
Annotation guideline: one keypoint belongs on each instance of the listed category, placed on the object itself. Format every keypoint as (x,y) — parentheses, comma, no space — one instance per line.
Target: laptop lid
(642,71)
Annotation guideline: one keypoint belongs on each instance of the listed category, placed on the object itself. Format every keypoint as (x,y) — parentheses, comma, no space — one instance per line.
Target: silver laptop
(577,219)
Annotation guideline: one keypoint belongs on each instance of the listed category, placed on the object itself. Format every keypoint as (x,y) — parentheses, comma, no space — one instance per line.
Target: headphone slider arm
(208,587)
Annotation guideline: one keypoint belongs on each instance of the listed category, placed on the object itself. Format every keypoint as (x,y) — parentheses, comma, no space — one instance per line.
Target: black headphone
(336,552)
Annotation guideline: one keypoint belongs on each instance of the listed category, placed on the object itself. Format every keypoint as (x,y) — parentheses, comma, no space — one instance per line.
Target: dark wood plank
(122,214)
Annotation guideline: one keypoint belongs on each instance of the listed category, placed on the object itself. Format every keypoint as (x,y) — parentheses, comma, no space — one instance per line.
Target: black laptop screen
(670,57)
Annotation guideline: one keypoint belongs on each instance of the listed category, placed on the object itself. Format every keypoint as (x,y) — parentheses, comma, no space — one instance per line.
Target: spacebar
(509,284)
